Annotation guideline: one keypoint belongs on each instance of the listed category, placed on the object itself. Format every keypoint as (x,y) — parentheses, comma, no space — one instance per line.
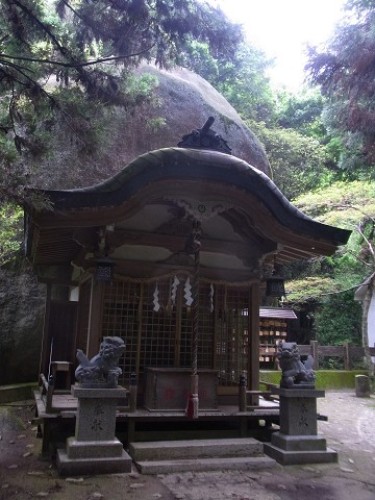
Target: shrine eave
(191,165)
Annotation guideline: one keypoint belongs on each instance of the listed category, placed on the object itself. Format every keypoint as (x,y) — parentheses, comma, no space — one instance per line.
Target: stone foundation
(298,441)
(94,449)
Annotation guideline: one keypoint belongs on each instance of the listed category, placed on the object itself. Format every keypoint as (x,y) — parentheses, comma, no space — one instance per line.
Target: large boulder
(176,102)
(185,101)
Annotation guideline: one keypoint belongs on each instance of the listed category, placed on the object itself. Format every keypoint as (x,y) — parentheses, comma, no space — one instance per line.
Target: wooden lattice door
(155,321)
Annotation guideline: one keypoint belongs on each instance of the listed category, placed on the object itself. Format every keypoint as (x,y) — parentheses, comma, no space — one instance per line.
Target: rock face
(178,102)
(185,101)
(22,302)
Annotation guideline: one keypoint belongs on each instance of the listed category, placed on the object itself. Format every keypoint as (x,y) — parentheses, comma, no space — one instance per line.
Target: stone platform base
(92,466)
(90,457)
(294,450)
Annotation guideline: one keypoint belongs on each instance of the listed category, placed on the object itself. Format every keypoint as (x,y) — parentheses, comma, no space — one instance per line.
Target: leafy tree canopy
(338,319)
(345,73)
(71,44)
(242,79)
(301,111)
(351,206)
(298,161)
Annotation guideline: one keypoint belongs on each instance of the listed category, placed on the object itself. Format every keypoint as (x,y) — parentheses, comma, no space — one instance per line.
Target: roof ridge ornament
(205,138)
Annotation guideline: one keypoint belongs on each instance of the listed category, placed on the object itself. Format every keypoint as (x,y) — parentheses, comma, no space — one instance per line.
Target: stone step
(194,449)
(205,464)
(285,457)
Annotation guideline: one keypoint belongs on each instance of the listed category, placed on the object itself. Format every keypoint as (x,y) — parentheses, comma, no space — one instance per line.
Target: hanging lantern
(275,286)
(275,283)
(104,270)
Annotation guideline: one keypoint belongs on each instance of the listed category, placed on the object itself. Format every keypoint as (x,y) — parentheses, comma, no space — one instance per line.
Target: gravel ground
(349,430)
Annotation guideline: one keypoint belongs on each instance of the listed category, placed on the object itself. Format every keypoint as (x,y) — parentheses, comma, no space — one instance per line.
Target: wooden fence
(351,355)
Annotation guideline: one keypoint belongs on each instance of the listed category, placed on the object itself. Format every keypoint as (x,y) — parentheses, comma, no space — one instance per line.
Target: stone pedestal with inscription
(94,449)
(298,441)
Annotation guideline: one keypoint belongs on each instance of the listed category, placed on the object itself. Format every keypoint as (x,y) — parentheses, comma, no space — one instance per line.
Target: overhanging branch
(77,64)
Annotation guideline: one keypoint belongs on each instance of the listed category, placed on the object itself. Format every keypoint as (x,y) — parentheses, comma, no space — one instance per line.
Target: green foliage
(199,59)
(330,282)
(338,320)
(309,288)
(244,83)
(298,162)
(343,204)
(242,79)
(345,73)
(301,112)
(349,205)
(11,228)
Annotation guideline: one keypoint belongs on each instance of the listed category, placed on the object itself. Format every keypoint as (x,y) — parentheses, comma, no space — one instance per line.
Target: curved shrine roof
(194,164)
(258,212)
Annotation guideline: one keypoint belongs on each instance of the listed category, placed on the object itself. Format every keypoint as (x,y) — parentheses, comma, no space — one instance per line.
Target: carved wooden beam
(149,270)
(176,243)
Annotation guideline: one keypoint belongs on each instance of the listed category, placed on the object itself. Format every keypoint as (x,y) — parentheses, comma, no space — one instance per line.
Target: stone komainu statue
(102,370)
(294,372)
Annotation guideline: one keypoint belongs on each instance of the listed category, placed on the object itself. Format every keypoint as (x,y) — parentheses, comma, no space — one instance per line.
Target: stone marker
(362,386)
(94,449)
(298,441)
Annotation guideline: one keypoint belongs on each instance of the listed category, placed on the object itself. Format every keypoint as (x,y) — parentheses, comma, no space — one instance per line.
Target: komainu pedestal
(298,441)
(94,449)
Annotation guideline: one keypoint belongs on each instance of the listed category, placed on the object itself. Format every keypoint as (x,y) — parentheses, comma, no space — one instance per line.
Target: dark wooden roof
(256,203)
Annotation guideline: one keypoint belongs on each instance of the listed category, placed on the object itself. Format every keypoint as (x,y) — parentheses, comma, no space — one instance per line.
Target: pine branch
(42,26)
(30,82)
(78,65)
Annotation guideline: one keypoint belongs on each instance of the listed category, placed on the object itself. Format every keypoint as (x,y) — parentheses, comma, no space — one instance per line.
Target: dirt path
(349,430)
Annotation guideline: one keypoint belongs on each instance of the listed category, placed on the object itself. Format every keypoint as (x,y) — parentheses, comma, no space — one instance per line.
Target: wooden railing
(249,399)
(348,353)
(47,390)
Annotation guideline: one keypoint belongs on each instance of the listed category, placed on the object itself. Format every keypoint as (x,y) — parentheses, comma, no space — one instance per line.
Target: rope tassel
(192,409)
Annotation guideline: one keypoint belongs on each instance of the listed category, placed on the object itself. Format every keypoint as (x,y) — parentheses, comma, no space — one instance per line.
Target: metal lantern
(104,270)
(275,286)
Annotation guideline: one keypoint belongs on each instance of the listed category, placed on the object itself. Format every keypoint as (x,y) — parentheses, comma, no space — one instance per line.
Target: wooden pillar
(139,331)
(253,354)
(347,361)
(46,347)
(315,355)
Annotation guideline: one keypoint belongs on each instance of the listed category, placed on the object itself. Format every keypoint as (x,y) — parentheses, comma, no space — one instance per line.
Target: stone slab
(200,448)
(299,392)
(96,419)
(284,457)
(205,464)
(92,466)
(99,392)
(298,416)
(298,443)
(93,449)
